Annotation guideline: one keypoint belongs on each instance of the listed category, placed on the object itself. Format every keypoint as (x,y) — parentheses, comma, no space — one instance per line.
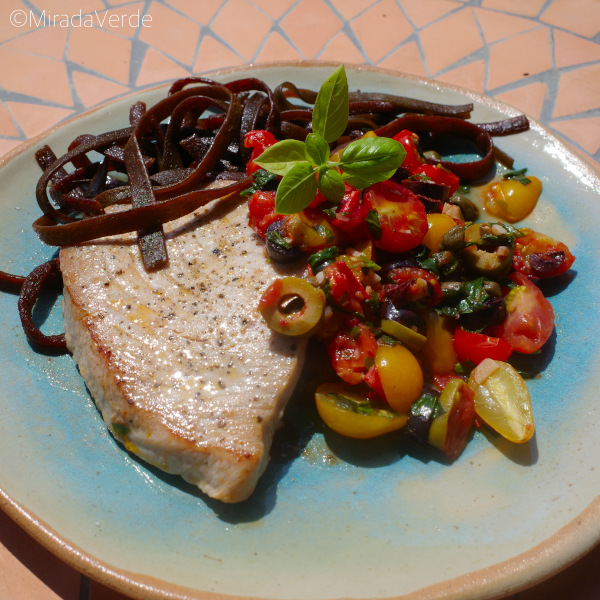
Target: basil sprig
(306,166)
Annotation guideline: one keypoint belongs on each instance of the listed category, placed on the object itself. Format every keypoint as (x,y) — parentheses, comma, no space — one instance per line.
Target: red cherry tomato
(438,174)
(351,214)
(261,211)
(530,319)
(410,142)
(259,140)
(352,351)
(402,217)
(539,255)
(476,347)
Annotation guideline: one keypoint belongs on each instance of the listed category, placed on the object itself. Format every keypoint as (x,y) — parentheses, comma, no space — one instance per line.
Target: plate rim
(524,570)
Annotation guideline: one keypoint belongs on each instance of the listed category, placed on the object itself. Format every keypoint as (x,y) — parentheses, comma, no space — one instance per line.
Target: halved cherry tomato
(410,142)
(412,285)
(259,140)
(350,414)
(261,211)
(530,319)
(539,255)
(438,174)
(352,351)
(476,347)
(402,217)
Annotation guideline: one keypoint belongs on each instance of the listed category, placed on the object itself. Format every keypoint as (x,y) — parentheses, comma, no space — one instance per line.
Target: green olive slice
(493,260)
(292,306)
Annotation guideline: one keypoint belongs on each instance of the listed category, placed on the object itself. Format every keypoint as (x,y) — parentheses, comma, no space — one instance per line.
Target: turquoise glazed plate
(362,520)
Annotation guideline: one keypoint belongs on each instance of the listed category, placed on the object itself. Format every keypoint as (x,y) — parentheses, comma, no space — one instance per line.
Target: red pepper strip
(448,125)
(31,289)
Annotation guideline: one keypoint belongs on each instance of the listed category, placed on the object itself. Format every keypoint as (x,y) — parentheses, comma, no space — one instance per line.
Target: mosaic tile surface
(59,58)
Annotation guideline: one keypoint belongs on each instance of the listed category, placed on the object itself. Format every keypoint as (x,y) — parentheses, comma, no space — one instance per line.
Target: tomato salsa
(427,296)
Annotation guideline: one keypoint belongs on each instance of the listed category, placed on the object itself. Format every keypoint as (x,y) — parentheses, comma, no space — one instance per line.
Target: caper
(451,288)
(492,288)
(292,306)
(453,239)
(492,260)
(467,207)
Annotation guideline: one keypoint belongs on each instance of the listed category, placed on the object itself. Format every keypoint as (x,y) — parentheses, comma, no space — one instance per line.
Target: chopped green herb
(274,237)
(262,180)
(518,175)
(427,406)
(374,224)
(120,428)
(320,260)
(464,299)
(324,232)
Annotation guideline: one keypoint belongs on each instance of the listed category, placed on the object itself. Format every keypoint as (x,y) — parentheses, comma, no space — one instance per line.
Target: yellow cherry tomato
(502,400)
(351,415)
(512,200)
(310,233)
(438,224)
(400,374)
(438,354)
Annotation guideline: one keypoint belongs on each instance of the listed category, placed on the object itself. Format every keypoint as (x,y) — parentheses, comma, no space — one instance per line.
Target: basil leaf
(297,189)
(372,157)
(331,185)
(282,156)
(331,110)
(317,149)
(360,182)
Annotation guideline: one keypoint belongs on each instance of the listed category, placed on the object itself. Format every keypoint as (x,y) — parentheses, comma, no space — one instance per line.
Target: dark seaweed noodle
(160,166)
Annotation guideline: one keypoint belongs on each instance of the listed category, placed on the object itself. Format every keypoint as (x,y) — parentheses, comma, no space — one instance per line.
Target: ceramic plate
(340,521)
